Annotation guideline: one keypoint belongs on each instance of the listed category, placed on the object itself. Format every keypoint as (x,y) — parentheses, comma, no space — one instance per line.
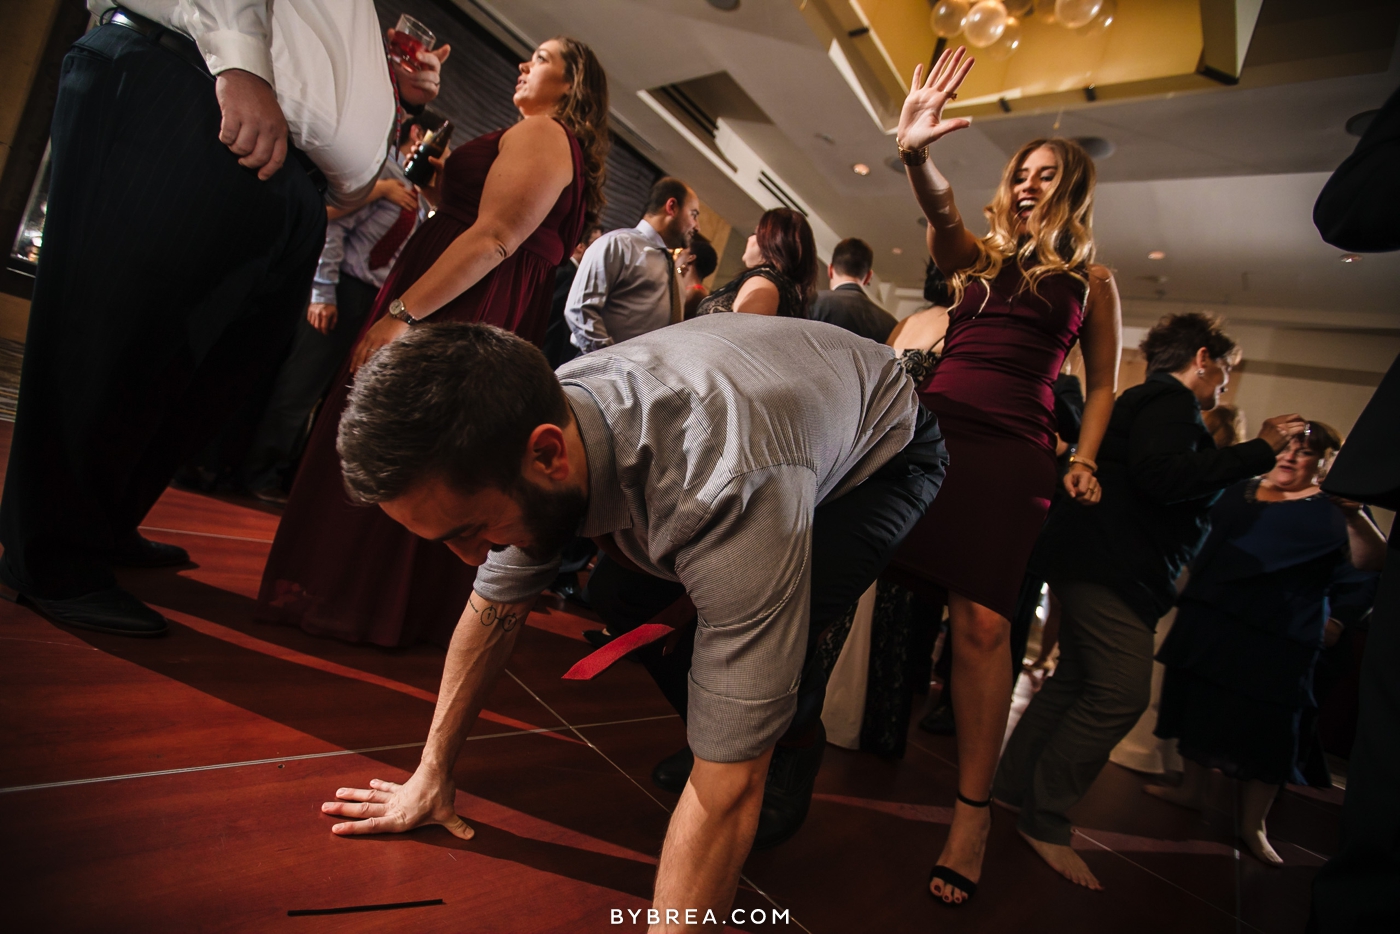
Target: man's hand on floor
(385,807)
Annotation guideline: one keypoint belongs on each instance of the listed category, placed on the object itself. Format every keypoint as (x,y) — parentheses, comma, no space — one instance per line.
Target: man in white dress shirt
(626,282)
(178,254)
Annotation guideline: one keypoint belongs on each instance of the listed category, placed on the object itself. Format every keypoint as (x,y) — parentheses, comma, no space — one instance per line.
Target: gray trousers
(1100,688)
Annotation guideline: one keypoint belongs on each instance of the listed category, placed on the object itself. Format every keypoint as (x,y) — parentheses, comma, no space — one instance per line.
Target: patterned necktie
(383,251)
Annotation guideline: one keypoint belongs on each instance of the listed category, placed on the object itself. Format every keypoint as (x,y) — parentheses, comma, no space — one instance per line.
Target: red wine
(418,169)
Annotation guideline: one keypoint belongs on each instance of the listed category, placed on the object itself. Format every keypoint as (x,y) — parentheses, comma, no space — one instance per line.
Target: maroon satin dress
(350,571)
(992,391)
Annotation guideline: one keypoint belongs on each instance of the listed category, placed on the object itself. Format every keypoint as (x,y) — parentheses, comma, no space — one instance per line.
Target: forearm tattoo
(490,615)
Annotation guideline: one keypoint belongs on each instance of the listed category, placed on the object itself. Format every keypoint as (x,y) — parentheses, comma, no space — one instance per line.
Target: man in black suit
(1359,888)
(846,305)
(557,349)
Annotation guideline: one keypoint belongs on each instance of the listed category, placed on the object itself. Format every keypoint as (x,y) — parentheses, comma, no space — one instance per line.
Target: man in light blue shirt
(626,282)
(360,249)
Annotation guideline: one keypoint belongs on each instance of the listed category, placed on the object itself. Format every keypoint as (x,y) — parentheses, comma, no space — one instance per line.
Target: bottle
(418,169)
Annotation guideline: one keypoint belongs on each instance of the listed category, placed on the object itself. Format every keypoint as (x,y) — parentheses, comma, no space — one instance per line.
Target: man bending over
(766,468)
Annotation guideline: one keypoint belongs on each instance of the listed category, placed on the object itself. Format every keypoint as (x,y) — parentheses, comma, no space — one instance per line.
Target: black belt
(177,42)
(185,47)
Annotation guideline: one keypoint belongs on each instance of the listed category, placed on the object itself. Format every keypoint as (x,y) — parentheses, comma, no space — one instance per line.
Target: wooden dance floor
(175,785)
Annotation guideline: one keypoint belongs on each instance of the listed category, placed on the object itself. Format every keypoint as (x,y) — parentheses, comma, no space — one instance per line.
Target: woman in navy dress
(1249,629)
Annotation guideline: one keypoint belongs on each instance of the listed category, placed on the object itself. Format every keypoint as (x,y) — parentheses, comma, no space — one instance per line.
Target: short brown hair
(852,257)
(457,401)
(663,191)
(1172,344)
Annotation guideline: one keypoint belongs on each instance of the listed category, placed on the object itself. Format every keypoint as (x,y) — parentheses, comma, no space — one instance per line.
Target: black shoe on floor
(566,586)
(597,637)
(112,611)
(939,721)
(139,552)
(672,772)
(788,793)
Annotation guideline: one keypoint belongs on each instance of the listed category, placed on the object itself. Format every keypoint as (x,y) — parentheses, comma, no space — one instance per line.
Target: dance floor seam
(311,755)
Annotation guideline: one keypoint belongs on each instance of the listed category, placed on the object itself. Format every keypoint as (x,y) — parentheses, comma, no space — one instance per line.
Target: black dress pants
(302,382)
(169,279)
(853,539)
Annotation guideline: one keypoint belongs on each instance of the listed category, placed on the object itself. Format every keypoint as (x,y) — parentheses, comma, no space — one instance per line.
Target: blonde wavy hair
(584,110)
(1059,233)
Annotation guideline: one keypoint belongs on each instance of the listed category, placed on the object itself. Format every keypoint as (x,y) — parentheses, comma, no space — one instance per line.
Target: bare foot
(1065,861)
(963,852)
(1181,797)
(1258,843)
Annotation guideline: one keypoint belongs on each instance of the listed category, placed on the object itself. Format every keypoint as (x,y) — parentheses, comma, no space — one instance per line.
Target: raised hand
(385,807)
(921,120)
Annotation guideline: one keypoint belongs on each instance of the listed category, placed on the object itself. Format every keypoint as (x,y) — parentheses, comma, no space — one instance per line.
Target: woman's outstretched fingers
(918,74)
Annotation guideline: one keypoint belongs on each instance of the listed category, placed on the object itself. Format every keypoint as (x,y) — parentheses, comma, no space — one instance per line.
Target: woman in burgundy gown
(513,204)
(1024,294)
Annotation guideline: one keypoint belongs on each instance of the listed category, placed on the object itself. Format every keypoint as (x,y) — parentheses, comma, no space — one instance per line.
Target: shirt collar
(648,233)
(849,285)
(607,508)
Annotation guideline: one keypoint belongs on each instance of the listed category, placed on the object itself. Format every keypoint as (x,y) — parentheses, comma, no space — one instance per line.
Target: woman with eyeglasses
(1251,625)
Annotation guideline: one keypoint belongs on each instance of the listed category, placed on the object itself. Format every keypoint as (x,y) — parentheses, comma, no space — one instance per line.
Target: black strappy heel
(952,877)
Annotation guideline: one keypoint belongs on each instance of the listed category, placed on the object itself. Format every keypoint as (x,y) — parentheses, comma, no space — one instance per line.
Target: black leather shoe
(672,772)
(597,637)
(139,552)
(788,794)
(113,611)
(566,586)
(939,721)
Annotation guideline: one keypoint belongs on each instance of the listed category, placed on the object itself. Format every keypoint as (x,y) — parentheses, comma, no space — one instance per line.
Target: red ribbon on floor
(668,622)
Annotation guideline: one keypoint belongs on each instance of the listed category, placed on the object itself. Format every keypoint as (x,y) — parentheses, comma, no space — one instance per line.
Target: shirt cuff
(510,576)
(225,49)
(729,729)
(323,293)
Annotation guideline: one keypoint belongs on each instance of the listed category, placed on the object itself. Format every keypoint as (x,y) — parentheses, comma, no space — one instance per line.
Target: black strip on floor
(298,912)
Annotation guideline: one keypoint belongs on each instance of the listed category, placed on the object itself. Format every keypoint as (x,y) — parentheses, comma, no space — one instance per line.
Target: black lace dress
(790,301)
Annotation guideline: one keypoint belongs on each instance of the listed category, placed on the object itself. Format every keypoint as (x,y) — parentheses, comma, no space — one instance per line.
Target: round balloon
(1018,8)
(985,23)
(947,17)
(1009,42)
(1099,24)
(1076,13)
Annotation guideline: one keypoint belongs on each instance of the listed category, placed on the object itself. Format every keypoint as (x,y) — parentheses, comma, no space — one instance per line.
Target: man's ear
(830,272)
(547,454)
(868,276)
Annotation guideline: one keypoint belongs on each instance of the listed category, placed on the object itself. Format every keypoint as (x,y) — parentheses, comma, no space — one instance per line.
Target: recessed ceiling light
(1096,146)
(1351,257)
(895,164)
(727,6)
(897,251)
(860,168)
(1156,254)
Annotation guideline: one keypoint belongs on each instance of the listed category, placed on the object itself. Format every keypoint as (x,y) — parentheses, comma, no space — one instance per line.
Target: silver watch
(397,310)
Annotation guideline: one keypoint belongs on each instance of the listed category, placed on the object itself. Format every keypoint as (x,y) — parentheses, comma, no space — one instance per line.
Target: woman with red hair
(781,274)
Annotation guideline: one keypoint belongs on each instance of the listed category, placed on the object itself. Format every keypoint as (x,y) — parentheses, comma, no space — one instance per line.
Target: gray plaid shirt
(710,444)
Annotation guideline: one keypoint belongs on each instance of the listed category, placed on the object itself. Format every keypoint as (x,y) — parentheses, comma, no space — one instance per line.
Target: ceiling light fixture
(728,6)
(897,251)
(995,25)
(1351,257)
(1156,254)
(1357,125)
(1096,146)
(860,168)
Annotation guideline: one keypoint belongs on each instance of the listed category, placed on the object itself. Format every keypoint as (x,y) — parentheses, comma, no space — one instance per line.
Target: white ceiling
(1222,181)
